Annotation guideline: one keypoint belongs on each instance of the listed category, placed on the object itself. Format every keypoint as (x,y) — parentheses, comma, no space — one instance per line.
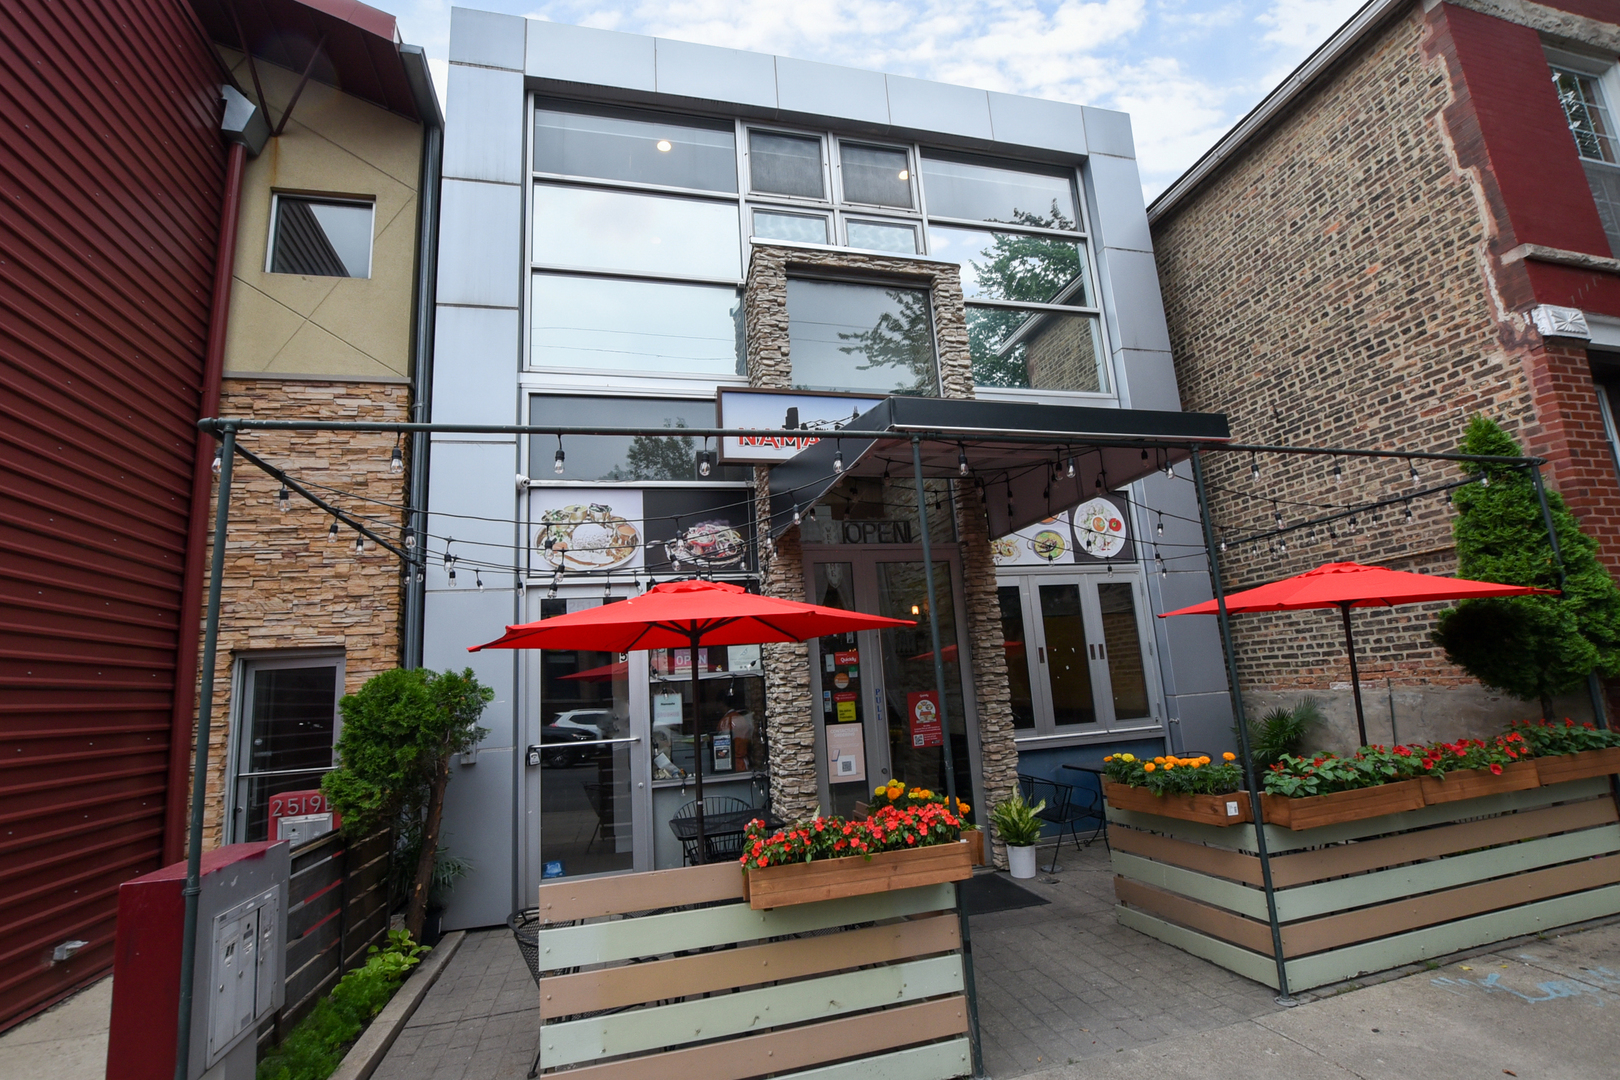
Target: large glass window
(321,237)
(1047,350)
(641,148)
(596,323)
(856,336)
(799,228)
(611,458)
(785,164)
(1591,121)
(883,236)
(982,192)
(598,229)
(877,175)
(286,726)
(1015,266)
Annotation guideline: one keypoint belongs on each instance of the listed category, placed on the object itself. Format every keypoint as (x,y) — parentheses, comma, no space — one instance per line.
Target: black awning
(1020,453)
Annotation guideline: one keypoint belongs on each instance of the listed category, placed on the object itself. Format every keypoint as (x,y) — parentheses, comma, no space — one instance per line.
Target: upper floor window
(320,237)
(1590,121)
(638,148)
(781,164)
(286,727)
(876,175)
(845,335)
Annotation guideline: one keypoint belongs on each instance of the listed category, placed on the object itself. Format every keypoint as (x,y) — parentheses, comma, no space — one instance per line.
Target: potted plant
(1190,788)
(1469,768)
(1570,751)
(1325,789)
(829,857)
(895,793)
(1020,829)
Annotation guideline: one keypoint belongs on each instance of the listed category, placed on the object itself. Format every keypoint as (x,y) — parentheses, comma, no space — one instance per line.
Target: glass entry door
(1075,655)
(877,708)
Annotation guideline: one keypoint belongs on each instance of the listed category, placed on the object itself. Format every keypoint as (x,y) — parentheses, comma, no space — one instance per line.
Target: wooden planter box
(1472,783)
(974,838)
(1230,809)
(1556,770)
(829,879)
(1315,810)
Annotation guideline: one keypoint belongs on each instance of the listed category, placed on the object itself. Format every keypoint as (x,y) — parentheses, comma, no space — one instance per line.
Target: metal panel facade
(111,177)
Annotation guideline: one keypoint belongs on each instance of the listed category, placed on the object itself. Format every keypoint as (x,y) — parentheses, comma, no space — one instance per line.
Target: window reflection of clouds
(581,322)
(618,230)
(986,193)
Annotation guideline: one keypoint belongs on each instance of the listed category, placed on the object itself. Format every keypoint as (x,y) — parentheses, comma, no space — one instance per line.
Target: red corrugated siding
(111,177)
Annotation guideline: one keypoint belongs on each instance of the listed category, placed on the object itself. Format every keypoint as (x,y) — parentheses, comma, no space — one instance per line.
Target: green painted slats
(1235,837)
(747,1012)
(937,1061)
(1251,965)
(1211,890)
(1385,953)
(659,935)
(1383,885)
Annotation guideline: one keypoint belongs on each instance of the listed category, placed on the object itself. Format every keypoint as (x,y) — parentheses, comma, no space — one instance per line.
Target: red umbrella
(688,614)
(613,672)
(1345,585)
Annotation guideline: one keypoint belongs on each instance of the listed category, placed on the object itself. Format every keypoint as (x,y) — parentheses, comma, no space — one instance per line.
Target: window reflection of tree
(1019,266)
(652,458)
(901,342)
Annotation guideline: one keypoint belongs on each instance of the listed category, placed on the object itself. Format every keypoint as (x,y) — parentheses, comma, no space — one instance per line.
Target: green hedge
(316,1046)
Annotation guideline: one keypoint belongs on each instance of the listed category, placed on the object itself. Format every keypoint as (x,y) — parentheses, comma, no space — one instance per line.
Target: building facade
(1416,227)
(654,234)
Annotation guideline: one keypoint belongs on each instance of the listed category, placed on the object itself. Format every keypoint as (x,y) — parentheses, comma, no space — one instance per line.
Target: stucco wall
(334,144)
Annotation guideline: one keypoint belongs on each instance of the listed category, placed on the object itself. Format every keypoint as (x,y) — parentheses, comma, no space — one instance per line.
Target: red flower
(1496,770)
(762,862)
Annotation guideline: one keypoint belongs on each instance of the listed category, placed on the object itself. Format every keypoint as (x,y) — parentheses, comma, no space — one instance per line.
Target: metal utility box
(239,978)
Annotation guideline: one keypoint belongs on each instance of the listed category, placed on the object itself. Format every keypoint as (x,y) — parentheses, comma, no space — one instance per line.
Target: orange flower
(1148,766)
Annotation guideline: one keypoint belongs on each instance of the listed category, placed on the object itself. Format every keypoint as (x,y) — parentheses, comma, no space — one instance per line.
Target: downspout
(245,128)
(427,261)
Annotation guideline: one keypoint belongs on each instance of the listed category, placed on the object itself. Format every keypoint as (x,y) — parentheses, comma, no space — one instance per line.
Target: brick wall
(1336,285)
(285,585)
(790,713)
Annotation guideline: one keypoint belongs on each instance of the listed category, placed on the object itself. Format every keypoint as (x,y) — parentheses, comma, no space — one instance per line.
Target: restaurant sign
(771,410)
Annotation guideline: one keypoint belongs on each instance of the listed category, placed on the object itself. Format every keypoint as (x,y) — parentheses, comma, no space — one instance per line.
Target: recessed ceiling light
(665,146)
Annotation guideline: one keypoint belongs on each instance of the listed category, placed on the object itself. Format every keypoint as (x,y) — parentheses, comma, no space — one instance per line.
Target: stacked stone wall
(285,585)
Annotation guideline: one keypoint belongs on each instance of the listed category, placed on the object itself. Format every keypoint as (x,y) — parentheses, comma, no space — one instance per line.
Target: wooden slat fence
(1369,895)
(337,909)
(671,975)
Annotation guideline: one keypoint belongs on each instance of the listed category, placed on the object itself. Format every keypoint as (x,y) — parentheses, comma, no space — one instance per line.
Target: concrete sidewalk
(68,1041)
(1547,1010)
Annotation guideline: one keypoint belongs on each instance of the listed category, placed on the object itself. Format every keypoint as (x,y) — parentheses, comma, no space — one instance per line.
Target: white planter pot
(1021,861)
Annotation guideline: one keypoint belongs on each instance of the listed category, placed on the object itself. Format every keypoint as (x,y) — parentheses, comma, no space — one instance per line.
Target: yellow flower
(1229,756)
(880,790)
(1128,757)
(1148,766)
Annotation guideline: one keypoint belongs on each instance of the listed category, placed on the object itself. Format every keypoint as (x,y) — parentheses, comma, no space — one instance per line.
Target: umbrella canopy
(1342,584)
(688,614)
(1346,585)
(619,669)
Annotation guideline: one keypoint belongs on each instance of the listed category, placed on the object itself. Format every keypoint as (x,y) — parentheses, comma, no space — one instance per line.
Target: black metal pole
(199,770)
(1355,676)
(697,750)
(1594,689)
(1249,778)
(950,757)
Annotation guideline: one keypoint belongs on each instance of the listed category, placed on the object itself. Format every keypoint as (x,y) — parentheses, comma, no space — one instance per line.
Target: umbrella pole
(1257,811)
(950,761)
(1355,679)
(697,752)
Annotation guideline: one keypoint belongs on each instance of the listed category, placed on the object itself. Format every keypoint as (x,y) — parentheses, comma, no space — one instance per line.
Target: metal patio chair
(731,815)
(1062,808)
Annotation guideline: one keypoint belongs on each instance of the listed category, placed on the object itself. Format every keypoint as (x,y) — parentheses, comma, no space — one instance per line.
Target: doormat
(983,894)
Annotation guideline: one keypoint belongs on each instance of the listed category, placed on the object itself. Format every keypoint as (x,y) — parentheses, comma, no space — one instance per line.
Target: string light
(705,467)
(1161,522)
(1282,546)
(556,580)
(1276,515)
(1071,468)
(284,499)
(961,459)
(1338,472)
(452,574)
(359,544)
(1408,510)
(798,519)
(410,538)
(1169,469)
(838,457)
(1223,544)
(1158,558)
(1411,468)
(478,579)
(1254,466)
(219,462)
(396,461)
(1484,479)
(332,533)
(558,458)
(607,590)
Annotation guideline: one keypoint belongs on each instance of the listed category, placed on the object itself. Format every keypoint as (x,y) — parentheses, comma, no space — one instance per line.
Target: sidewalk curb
(373,1045)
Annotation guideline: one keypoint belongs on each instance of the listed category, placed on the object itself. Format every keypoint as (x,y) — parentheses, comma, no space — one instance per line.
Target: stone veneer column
(789,714)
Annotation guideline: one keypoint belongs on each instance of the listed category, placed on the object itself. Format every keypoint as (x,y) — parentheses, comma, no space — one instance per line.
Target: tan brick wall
(1336,286)
(285,585)
(790,714)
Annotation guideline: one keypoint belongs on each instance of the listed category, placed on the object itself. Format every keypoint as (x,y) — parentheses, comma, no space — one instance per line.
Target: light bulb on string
(1223,545)
(359,544)
(332,533)
(452,574)
(798,519)
(607,590)
(478,579)
(410,538)
(1338,472)
(558,458)
(1070,470)
(1276,515)
(838,458)
(1282,546)
(1484,479)
(811,513)
(219,462)
(1408,511)
(284,499)
(1254,466)
(1411,468)
(704,466)
(1161,522)
(961,460)
(396,460)
(1169,469)
(1333,532)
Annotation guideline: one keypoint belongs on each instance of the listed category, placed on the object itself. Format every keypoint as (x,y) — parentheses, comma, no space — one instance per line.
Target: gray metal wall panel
(477,827)
(826,90)
(1026,121)
(1109,132)
(1139,307)
(932,106)
(1204,722)
(585,55)
(1150,379)
(487,39)
(475,366)
(477,480)
(715,74)
(480,235)
(1118,216)
(484,141)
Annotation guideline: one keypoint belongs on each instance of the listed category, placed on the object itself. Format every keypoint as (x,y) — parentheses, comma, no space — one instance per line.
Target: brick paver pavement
(1056,983)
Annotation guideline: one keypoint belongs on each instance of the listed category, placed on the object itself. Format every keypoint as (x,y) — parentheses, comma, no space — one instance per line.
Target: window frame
(244,666)
(539,103)
(1606,72)
(367,201)
(877,281)
(912,185)
(745,156)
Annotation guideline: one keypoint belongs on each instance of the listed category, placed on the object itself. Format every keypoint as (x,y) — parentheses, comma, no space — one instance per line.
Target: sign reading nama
(773,410)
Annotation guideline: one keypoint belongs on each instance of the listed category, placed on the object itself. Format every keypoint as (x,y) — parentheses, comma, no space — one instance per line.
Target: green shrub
(1015,821)
(1281,733)
(316,1046)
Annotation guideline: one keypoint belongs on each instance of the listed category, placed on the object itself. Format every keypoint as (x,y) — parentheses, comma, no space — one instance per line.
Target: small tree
(398,735)
(1531,647)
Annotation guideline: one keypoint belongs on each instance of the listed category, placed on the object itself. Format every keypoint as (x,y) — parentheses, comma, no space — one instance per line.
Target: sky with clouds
(1185,70)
